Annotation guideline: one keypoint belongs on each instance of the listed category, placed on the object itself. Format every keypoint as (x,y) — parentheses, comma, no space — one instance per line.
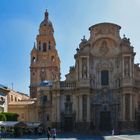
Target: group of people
(51,133)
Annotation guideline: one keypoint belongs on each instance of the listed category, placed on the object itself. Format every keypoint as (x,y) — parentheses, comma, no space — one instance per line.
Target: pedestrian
(48,132)
(53,132)
(112,131)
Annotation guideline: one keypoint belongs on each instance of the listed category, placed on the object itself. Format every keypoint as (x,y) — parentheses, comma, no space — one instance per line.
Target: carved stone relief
(104,65)
(105,30)
(103,48)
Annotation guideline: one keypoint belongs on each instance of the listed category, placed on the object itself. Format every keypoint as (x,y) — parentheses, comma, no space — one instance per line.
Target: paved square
(75,136)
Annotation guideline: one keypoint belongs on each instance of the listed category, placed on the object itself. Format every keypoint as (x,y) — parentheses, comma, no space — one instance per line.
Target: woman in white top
(53,132)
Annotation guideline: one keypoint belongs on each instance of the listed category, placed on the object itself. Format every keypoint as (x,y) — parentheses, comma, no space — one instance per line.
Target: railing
(67,84)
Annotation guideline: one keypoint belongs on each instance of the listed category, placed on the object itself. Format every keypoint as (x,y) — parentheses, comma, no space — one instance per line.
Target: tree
(7,116)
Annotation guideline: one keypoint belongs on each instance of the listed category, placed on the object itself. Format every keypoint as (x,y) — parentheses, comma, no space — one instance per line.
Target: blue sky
(19,24)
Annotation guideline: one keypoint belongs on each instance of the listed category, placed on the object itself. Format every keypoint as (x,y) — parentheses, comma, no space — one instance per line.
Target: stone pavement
(77,136)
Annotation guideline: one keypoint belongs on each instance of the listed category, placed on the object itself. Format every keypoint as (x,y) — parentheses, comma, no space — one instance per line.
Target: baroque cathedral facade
(102,90)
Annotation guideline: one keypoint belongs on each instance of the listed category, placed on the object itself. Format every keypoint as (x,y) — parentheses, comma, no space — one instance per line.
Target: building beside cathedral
(102,90)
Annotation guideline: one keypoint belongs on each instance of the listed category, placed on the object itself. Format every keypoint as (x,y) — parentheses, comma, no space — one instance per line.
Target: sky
(19,24)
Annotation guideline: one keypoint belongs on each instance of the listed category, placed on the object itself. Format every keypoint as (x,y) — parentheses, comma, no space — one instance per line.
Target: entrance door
(105,121)
(68,124)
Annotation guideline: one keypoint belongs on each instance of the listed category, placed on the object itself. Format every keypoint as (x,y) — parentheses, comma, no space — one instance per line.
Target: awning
(12,123)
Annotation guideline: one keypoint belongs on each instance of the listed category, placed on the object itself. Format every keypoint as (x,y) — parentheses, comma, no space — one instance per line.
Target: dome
(46,20)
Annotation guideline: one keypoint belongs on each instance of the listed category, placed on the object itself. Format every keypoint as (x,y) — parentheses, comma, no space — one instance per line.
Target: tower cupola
(46,24)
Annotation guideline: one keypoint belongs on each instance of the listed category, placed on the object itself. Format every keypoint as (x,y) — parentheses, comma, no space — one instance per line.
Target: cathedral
(101,91)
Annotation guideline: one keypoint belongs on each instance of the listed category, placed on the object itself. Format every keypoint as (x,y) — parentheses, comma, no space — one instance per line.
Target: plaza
(79,136)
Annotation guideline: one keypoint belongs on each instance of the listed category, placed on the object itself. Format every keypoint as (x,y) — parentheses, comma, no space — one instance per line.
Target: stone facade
(17,102)
(26,109)
(20,103)
(100,92)
(14,96)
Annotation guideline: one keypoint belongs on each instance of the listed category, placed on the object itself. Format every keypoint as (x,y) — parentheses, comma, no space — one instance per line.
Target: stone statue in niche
(84,68)
(53,75)
(127,66)
(42,74)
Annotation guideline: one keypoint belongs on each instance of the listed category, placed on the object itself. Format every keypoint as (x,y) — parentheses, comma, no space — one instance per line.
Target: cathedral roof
(104,23)
(46,22)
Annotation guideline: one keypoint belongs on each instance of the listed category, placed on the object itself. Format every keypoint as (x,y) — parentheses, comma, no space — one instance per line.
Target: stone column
(131,104)
(88,69)
(123,108)
(76,107)
(98,81)
(53,114)
(80,68)
(130,67)
(123,66)
(80,108)
(88,109)
(58,108)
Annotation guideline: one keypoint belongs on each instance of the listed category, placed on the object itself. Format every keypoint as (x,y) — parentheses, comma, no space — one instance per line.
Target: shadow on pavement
(80,136)
(62,135)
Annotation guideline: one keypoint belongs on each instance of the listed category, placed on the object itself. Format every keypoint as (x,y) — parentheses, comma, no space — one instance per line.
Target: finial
(84,39)
(124,36)
(77,49)
(46,14)
(34,46)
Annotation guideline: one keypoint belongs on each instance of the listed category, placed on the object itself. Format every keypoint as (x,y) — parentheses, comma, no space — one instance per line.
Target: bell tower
(45,62)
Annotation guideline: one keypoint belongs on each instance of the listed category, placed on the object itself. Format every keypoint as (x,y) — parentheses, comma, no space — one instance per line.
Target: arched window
(33,59)
(104,77)
(44,47)
(11,97)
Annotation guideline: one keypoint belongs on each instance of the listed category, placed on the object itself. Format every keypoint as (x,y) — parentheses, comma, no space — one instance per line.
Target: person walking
(53,132)
(48,132)
(112,131)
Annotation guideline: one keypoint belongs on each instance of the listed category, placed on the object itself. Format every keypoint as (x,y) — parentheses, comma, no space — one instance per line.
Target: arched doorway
(105,121)
(68,123)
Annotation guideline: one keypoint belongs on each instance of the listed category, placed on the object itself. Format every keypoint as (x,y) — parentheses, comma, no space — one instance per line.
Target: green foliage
(2,117)
(6,116)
